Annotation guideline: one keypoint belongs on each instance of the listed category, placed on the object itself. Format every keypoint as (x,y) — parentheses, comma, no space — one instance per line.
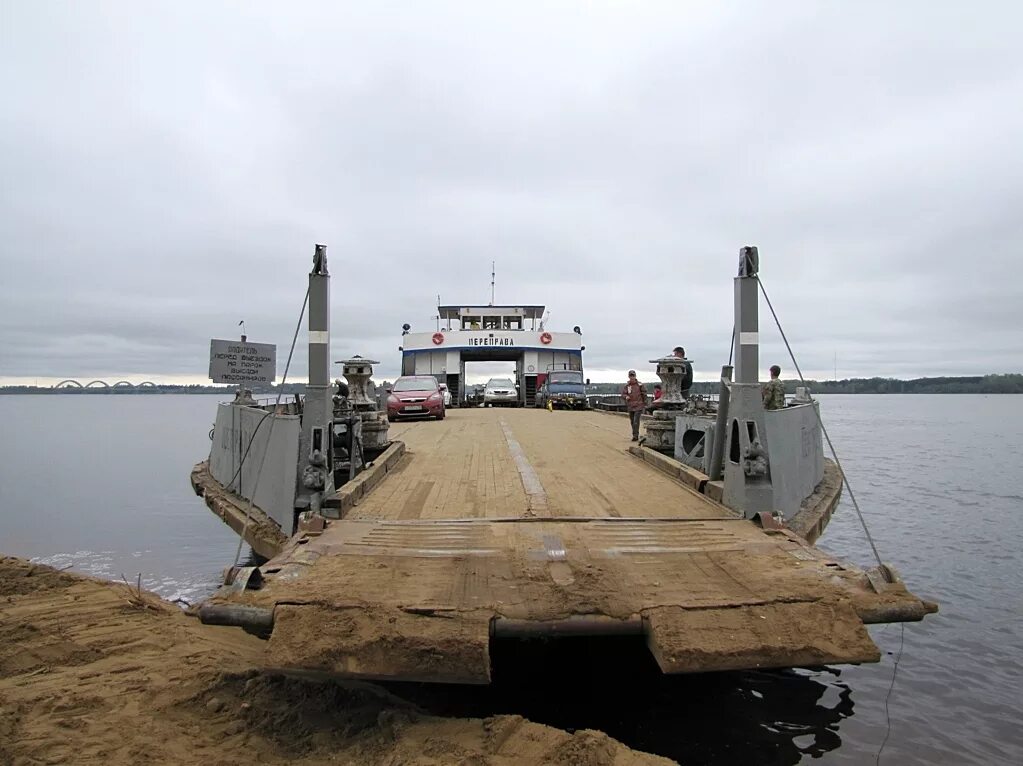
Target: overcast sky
(165,171)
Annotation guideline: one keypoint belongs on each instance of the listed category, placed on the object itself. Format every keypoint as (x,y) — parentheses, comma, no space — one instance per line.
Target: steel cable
(834,454)
(273,419)
(863,522)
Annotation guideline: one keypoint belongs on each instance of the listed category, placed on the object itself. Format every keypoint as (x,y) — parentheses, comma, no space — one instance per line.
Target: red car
(415,396)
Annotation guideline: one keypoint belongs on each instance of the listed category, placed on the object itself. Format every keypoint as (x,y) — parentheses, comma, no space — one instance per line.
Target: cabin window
(470,323)
(491,323)
(513,323)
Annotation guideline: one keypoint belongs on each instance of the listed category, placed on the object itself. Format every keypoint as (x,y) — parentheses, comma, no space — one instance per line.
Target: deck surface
(508,463)
(502,517)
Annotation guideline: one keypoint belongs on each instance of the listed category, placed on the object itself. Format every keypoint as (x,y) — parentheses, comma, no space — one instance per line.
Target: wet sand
(99,672)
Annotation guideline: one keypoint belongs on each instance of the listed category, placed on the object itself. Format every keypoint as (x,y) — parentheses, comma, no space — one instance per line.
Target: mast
(315,476)
(746,323)
(493,274)
(748,487)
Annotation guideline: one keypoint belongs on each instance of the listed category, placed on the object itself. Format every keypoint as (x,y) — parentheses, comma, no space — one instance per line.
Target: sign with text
(235,361)
(454,339)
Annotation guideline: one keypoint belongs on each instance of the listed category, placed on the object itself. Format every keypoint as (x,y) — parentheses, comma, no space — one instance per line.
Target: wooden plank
(581,465)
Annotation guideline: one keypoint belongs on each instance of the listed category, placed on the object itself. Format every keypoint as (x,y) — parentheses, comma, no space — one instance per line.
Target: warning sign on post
(233,361)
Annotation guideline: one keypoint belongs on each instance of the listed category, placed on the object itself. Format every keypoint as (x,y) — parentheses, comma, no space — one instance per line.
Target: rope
(273,419)
(824,430)
(731,348)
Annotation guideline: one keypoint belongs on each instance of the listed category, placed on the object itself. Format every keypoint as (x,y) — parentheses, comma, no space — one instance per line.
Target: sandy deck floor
(507,463)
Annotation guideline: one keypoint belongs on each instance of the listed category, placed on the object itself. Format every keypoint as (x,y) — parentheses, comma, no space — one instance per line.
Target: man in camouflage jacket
(774,391)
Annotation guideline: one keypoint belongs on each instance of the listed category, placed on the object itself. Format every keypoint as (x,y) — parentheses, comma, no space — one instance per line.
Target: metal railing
(609,402)
(615,403)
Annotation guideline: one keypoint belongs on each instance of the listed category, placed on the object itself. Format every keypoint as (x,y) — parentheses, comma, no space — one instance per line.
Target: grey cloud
(167,171)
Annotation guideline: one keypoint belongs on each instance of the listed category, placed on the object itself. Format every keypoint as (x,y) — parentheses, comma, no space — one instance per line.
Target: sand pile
(95,672)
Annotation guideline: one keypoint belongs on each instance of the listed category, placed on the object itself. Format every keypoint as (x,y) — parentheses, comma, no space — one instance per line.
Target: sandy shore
(98,672)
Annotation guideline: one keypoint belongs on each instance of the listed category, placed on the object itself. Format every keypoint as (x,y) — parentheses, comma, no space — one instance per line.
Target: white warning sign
(233,361)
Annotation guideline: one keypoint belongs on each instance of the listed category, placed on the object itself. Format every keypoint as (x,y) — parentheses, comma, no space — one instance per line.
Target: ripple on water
(118,567)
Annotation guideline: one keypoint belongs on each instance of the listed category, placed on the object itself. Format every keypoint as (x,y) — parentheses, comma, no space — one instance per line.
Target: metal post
(319,321)
(318,408)
(747,324)
(748,487)
(720,427)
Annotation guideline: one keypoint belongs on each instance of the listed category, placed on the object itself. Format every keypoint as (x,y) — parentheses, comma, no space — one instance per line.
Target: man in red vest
(634,394)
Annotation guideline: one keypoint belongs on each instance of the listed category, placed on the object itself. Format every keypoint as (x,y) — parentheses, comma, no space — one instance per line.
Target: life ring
(546,338)
(438,338)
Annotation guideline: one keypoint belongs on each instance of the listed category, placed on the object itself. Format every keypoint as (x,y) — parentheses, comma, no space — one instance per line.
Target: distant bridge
(71,383)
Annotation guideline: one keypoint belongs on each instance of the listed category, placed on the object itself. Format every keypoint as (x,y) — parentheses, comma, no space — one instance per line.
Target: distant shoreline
(291,388)
(981,384)
(978,384)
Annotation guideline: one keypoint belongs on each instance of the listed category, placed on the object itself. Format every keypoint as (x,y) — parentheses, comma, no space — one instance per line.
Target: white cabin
(491,334)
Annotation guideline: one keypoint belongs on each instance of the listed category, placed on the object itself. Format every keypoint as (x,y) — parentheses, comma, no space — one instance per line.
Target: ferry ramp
(505,523)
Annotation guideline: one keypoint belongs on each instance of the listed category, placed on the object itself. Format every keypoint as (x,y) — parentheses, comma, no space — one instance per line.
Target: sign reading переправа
(235,361)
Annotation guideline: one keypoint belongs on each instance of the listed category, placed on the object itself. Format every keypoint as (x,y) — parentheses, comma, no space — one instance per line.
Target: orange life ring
(546,338)
(438,338)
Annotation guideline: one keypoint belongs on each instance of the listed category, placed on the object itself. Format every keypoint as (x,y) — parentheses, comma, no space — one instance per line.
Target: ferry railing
(284,408)
(609,402)
(615,403)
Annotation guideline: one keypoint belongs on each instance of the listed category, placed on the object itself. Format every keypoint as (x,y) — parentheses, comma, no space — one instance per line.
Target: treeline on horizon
(159,388)
(981,384)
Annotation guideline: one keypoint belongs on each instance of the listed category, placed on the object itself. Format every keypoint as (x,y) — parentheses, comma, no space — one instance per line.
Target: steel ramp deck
(421,600)
(503,524)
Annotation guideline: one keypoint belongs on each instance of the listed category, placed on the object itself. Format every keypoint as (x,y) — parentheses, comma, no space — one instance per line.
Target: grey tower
(748,488)
(315,475)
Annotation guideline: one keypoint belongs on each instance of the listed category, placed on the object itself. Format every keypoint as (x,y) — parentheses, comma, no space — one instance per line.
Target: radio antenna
(493,273)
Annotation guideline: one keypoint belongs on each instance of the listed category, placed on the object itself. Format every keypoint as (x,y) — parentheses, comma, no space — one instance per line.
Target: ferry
(404,551)
(472,333)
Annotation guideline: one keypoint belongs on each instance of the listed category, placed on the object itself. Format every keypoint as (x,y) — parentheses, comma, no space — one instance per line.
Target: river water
(99,484)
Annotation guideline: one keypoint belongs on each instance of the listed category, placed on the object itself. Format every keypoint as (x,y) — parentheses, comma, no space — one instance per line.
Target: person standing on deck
(687,377)
(774,391)
(634,394)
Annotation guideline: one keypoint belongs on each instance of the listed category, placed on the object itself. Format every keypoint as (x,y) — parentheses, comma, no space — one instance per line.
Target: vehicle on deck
(415,396)
(473,395)
(563,389)
(447,394)
(500,392)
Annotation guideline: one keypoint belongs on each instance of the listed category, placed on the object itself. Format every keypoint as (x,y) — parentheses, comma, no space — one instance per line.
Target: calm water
(100,484)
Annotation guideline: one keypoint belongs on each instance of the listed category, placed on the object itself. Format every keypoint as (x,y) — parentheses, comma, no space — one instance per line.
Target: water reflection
(763,717)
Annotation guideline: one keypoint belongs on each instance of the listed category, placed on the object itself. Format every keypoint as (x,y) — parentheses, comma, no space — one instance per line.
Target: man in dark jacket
(687,377)
(634,394)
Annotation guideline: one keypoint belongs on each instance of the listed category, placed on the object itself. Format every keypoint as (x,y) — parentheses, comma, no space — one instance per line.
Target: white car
(447,394)
(500,392)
